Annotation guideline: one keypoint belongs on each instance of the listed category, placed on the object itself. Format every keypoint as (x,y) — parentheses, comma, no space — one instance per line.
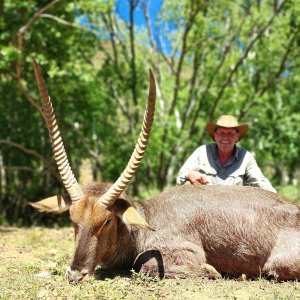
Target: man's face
(226,138)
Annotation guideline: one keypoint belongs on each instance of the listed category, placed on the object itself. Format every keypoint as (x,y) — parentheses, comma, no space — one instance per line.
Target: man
(223,162)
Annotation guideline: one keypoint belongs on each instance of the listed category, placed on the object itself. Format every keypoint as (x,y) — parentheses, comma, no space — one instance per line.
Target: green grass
(33,263)
(291,192)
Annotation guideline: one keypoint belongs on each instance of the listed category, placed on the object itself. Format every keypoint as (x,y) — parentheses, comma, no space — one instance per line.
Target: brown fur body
(199,230)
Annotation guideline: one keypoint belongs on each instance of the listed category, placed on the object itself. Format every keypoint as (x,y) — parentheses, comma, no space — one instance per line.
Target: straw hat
(227,121)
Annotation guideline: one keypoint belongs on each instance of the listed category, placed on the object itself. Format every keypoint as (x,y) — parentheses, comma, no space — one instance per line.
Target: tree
(209,58)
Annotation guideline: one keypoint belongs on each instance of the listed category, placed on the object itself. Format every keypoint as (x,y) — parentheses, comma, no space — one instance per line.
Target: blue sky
(154,6)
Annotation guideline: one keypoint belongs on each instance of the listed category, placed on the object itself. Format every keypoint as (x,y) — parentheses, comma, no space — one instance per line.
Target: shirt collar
(236,152)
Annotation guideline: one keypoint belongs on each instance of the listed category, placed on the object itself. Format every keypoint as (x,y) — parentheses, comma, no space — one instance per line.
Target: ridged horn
(119,186)
(67,176)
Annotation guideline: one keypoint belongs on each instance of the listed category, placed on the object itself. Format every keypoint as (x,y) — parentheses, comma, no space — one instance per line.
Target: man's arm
(255,177)
(189,170)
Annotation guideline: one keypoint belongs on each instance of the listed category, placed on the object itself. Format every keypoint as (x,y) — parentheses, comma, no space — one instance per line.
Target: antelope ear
(133,220)
(130,216)
(56,204)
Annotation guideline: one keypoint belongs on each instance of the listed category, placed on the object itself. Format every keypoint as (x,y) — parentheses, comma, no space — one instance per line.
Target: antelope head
(101,212)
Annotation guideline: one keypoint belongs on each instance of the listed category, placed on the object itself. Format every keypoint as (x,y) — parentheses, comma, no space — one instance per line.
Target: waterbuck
(186,230)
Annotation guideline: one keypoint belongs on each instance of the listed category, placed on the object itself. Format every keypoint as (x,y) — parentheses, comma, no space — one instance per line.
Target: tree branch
(271,79)
(213,76)
(256,36)
(20,45)
(24,28)
(25,150)
(33,153)
(70,24)
(109,24)
(162,172)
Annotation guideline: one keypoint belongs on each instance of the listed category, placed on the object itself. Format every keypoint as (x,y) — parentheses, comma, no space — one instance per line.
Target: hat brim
(211,128)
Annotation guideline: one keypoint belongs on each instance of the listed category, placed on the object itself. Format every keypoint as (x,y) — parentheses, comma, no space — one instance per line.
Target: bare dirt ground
(33,263)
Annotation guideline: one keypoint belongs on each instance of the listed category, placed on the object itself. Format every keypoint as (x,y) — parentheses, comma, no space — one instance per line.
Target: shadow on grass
(102,274)
(155,267)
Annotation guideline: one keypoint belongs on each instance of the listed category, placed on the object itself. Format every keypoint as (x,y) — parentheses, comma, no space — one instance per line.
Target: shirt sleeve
(255,177)
(192,163)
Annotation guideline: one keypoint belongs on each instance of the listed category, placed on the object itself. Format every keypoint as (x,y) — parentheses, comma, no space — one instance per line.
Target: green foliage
(233,57)
(291,192)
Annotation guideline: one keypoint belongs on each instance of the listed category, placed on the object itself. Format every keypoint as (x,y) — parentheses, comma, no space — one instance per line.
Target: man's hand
(197,178)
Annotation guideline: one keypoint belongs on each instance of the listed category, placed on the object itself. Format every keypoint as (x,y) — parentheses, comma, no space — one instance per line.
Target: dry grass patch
(34,260)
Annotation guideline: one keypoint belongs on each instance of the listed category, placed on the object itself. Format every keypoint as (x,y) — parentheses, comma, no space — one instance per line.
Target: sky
(154,6)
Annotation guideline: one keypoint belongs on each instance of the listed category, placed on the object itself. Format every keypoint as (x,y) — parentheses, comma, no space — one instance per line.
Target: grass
(291,192)
(33,263)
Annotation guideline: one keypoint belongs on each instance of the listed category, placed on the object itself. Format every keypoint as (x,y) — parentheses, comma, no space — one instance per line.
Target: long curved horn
(67,176)
(119,186)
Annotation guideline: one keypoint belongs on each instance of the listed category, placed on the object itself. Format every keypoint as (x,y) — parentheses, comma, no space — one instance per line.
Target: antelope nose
(76,276)
(72,276)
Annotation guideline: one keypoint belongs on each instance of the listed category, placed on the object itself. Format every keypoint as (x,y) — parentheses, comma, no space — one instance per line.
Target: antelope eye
(108,221)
